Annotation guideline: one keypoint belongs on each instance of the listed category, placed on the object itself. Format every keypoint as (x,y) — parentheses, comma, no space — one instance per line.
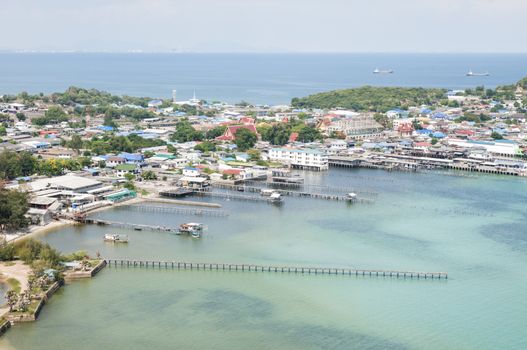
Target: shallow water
(473,228)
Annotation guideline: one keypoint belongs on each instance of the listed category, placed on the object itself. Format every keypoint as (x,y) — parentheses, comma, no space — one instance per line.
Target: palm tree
(12,299)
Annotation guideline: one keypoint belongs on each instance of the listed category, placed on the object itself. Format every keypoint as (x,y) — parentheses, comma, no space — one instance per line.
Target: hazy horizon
(270,26)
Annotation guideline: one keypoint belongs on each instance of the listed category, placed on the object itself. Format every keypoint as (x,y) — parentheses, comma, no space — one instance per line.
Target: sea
(471,226)
(267,79)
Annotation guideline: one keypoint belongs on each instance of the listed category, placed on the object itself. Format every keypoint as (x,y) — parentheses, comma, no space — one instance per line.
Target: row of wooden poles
(281,269)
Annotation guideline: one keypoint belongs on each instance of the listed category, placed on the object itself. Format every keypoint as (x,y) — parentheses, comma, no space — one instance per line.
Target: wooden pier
(287,192)
(174,210)
(236,196)
(316,187)
(127,225)
(275,269)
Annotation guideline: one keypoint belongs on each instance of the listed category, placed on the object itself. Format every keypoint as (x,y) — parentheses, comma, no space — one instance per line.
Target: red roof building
(293,137)
(465,132)
(230,132)
(246,120)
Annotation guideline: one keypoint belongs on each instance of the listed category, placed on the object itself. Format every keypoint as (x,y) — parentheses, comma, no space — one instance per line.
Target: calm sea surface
(472,227)
(258,78)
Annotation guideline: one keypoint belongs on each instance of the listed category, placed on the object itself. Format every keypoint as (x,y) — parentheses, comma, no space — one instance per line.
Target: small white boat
(352,197)
(275,197)
(196,234)
(115,238)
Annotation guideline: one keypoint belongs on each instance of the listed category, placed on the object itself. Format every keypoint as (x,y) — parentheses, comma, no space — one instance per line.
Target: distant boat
(470,73)
(383,71)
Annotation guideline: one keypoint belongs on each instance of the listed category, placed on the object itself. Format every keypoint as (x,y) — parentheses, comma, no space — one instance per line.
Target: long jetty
(176,210)
(236,196)
(287,192)
(275,269)
(138,227)
(316,187)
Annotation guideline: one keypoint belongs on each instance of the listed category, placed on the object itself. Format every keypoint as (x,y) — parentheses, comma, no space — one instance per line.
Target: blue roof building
(132,157)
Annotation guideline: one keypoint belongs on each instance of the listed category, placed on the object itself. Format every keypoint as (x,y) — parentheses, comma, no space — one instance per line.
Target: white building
(300,158)
(504,148)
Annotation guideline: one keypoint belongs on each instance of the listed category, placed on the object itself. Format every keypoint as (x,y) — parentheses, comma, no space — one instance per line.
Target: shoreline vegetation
(33,271)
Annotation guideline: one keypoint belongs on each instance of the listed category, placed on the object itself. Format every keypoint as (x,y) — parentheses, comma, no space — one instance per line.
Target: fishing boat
(115,238)
(383,71)
(191,228)
(470,73)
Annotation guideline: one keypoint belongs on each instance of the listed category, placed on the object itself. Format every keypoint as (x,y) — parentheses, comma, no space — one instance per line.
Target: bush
(7,252)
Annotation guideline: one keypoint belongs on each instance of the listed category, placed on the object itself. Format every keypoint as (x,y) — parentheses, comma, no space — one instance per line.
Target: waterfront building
(311,159)
(504,148)
(358,127)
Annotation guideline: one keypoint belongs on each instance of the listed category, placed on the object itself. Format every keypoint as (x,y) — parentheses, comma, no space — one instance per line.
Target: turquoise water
(257,78)
(473,228)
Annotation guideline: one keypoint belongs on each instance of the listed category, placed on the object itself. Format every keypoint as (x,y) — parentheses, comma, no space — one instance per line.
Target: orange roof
(232,171)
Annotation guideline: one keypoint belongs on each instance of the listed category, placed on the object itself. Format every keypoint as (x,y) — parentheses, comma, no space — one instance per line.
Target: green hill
(369,98)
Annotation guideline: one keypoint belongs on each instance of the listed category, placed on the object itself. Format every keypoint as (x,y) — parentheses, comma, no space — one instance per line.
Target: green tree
(13,208)
(254,154)
(75,143)
(53,115)
(309,134)
(149,175)
(109,121)
(21,116)
(277,134)
(185,132)
(245,139)
(215,132)
(13,164)
(205,147)
(496,135)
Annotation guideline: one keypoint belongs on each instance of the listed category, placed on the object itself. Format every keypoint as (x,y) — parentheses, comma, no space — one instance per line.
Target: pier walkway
(175,210)
(236,196)
(287,192)
(137,227)
(275,269)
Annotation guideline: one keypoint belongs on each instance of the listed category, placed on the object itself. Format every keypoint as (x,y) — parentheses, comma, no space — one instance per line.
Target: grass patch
(9,263)
(14,284)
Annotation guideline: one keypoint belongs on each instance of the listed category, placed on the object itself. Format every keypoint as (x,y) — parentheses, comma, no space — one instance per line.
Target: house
(155,103)
(113,161)
(230,132)
(194,182)
(123,169)
(422,146)
(135,158)
(190,171)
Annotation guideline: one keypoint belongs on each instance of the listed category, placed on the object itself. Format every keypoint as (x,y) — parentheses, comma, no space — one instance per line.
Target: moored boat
(352,197)
(191,228)
(275,197)
(115,238)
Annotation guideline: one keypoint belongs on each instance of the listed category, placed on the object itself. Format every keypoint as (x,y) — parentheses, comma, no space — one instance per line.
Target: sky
(265,25)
